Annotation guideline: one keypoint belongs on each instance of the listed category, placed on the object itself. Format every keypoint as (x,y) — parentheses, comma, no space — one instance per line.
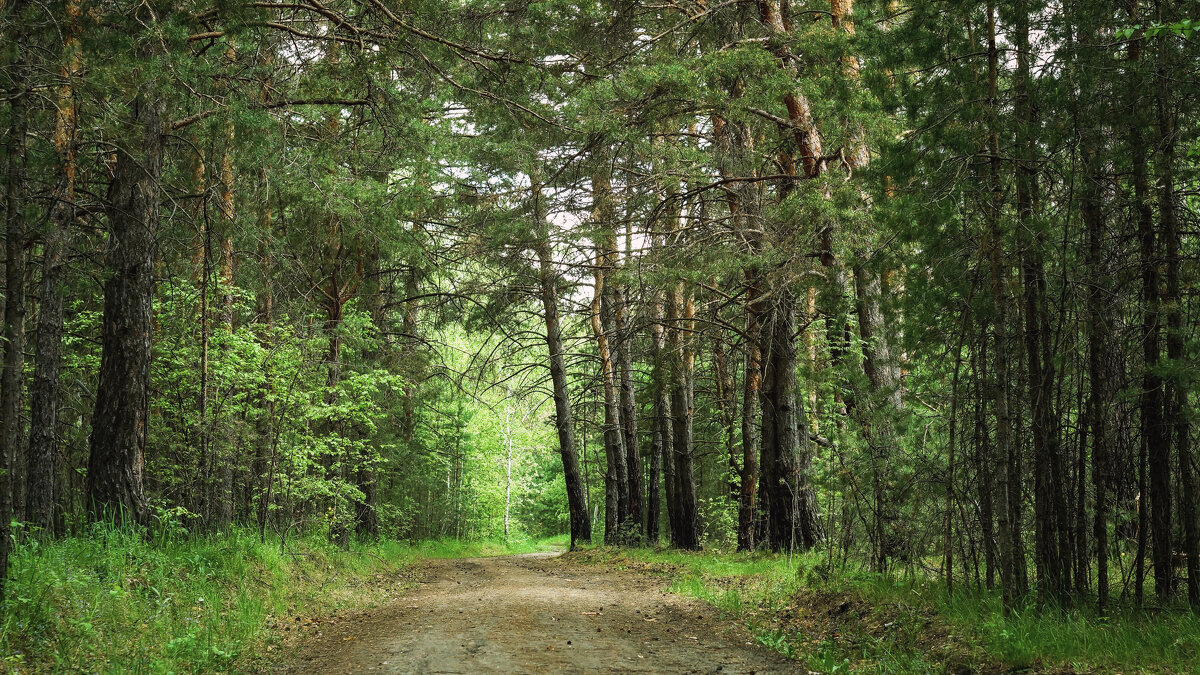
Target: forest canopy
(910,283)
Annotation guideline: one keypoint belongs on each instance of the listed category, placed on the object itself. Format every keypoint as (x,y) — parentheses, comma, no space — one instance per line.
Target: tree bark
(1051,527)
(985,459)
(264,463)
(117,459)
(581,522)
(223,514)
(1157,445)
(680,316)
(734,142)
(751,391)
(1100,340)
(616,477)
(885,401)
(792,521)
(1012,556)
(1175,421)
(204,496)
(12,478)
(42,454)
(662,449)
(623,340)
(1152,441)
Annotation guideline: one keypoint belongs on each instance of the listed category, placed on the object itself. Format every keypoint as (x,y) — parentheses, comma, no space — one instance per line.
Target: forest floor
(532,613)
(850,620)
(125,601)
(120,600)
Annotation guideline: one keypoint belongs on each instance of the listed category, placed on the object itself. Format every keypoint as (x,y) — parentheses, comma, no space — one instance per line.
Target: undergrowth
(855,621)
(454,548)
(126,601)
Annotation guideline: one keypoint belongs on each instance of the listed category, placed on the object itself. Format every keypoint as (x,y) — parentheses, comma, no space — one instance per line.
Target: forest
(887,293)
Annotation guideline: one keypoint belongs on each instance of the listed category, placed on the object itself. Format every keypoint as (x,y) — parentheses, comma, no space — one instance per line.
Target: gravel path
(536,614)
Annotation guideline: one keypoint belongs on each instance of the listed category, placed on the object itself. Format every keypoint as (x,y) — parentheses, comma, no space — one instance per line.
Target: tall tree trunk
(616,478)
(1151,438)
(1154,437)
(366,514)
(204,472)
(662,449)
(412,288)
(734,142)
(614,449)
(985,459)
(1175,421)
(792,521)
(12,479)
(680,315)
(264,463)
(784,455)
(506,436)
(670,480)
(118,445)
(1012,555)
(1053,544)
(223,513)
(44,390)
(885,401)
(1100,340)
(660,437)
(623,341)
(581,522)
(751,390)
(42,454)
(951,466)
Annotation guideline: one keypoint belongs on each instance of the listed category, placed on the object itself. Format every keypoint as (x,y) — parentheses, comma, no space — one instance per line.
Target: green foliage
(1184,29)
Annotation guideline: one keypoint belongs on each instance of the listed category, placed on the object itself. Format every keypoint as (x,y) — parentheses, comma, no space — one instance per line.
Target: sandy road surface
(536,614)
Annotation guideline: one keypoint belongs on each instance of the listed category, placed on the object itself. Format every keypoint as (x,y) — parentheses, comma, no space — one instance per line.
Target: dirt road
(536,614)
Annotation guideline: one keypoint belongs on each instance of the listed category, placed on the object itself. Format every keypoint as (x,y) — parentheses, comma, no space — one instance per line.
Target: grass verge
(864,623)
(123,601)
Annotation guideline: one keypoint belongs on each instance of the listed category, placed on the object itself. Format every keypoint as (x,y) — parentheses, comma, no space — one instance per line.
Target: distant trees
(1069,208)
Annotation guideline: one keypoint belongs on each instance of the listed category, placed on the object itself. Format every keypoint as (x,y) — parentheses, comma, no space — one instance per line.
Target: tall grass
(1127,640)
(124,601)
(899,620)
